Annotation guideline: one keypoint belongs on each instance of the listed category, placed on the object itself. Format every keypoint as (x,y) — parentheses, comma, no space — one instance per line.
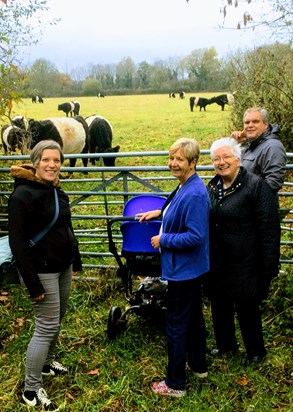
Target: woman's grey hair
(226,142)
(37,151)
(189,148)
(263,113)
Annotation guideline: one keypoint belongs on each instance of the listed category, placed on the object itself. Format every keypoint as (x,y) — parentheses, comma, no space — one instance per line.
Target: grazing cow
(202,102)
(67,107)
(172,95)
(76,108)
(69,133)
(37,99)
(223,99)
(13,138)
(100,95)
(20,121)
(100,138)
(182,95)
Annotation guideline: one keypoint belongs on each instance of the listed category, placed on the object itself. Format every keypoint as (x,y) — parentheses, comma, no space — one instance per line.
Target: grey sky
(105,31)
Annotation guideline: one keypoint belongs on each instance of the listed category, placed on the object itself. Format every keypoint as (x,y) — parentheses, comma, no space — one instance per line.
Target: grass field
(114,376)
(142,123)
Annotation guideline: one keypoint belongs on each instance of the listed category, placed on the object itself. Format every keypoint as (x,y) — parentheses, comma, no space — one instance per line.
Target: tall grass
(115,375)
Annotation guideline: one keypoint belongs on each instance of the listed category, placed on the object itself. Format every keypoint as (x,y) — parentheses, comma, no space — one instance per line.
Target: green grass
(114,376)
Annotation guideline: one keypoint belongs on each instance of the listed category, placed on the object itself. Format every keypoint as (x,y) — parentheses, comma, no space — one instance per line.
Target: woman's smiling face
(50,164)
(180,166)
(225,164)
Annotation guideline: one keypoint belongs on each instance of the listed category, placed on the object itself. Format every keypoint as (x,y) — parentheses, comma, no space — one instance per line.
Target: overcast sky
(105,31)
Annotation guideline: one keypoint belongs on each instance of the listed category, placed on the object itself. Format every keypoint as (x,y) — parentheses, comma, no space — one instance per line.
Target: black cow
(223,99)
(67,107)
(100,138)
(71,134)
(172,95)
(13,138)
(202,102)
(182,95)
(100,95)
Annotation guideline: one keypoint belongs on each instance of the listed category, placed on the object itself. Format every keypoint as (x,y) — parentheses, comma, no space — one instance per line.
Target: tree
(125,73)
(264,77)
(275,15)
(203,66)
(20,21)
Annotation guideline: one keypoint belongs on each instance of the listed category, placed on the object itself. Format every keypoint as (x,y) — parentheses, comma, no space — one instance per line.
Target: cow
(100,138)
(13,138)
(100,95)
(70,133)
(67,107)
(76,108)
(172,95)
(37,99)
(182,95)
(20,121)
(223,99)
(202,102)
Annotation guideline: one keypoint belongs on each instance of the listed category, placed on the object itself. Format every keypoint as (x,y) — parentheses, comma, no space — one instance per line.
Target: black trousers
(249,318)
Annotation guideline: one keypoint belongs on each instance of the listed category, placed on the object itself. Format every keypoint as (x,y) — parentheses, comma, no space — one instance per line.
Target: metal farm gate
(99,193)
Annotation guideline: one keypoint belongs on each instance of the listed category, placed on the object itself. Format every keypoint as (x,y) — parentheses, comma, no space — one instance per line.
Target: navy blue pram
(137,259)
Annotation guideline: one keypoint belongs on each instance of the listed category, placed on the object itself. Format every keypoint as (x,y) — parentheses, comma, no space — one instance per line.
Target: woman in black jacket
(46,268)
(244,246)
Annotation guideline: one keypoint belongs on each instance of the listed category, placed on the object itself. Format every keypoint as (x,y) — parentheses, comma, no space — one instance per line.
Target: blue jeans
(185,331)
(48,315)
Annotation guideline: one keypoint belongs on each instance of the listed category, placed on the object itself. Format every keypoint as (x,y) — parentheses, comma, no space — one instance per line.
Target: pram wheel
(114,326)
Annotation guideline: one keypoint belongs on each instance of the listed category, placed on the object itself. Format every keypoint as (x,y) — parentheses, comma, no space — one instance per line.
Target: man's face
(254,126)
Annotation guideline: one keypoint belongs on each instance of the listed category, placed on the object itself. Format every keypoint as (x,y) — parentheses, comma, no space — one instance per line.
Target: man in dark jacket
(262,152)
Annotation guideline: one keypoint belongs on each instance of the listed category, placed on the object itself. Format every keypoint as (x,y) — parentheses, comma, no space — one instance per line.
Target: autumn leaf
(69,396)
(243,381)
(94,372)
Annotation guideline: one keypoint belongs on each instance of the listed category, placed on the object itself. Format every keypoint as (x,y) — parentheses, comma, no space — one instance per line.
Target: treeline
(201,70)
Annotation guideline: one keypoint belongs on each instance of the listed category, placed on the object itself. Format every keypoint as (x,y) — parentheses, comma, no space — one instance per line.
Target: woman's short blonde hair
(189,148)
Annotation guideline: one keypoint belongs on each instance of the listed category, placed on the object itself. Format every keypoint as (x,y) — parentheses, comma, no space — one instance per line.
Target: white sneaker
(54,369)
(39,397)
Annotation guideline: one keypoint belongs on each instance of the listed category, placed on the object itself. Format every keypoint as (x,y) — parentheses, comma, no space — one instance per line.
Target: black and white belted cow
(13,138)
(70,133)
(202,102)
(100,138)
(223,99)
(67,107)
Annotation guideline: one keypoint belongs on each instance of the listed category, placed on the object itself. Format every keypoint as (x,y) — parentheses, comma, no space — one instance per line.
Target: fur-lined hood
(28,172)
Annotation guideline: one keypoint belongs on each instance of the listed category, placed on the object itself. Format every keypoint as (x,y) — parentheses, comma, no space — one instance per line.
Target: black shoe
(254,360)
(40,397)
(219,352)
(54,369)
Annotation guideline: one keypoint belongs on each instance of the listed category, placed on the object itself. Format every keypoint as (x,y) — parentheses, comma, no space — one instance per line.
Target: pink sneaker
(161,388)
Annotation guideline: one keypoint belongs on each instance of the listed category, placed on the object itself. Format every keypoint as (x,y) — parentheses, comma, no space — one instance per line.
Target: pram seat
(142,261)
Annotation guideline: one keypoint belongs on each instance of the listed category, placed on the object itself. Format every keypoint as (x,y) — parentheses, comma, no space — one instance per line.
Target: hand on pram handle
(151,214)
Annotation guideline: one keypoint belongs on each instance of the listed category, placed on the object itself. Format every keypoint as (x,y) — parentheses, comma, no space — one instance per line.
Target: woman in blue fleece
(184,244)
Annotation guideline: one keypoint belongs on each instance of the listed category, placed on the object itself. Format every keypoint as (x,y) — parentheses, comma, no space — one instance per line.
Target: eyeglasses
(225,158)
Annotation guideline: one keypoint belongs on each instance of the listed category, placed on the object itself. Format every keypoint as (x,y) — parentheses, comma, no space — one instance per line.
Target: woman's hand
(39,298)
(155,241)
(152,214)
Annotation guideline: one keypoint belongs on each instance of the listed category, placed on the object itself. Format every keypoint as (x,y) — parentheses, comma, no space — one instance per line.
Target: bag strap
(42,233)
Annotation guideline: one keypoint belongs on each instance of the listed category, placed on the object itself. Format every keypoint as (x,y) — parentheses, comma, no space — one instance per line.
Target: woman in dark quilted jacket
(244,250)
